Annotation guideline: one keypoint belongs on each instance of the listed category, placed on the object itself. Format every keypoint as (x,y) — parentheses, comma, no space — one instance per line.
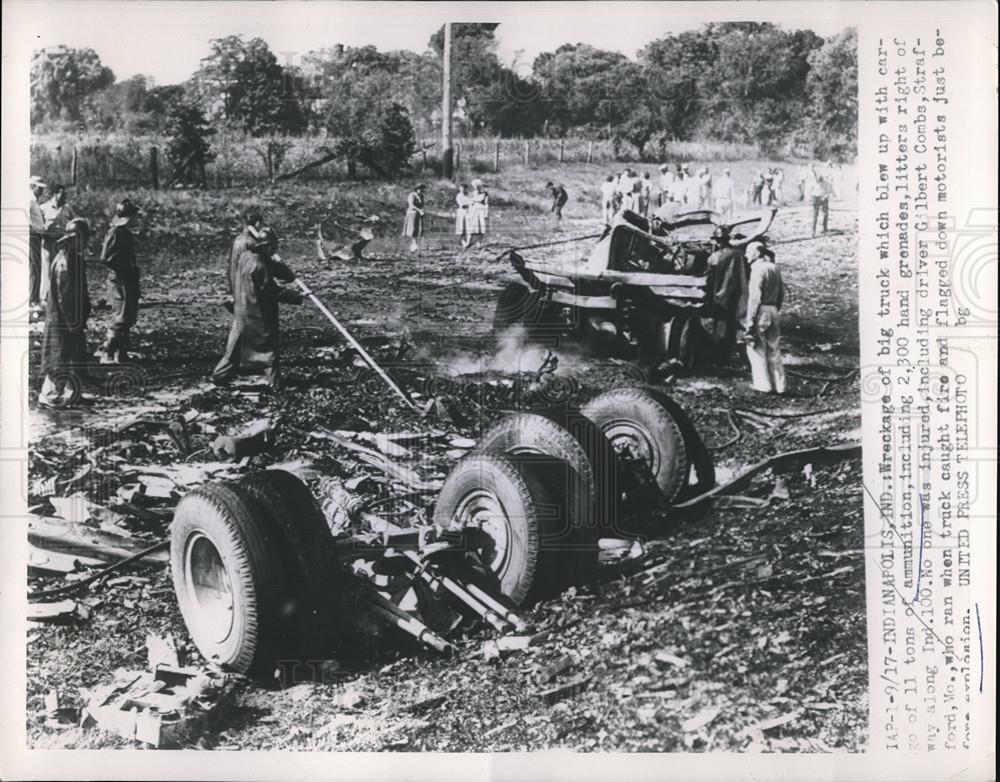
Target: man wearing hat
(36,229)
(252,225)
(56,214)
(762,321)
(255,335)
(67,307)
(118,254)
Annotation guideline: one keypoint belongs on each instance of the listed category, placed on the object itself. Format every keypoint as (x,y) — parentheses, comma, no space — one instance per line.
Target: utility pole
(447,153)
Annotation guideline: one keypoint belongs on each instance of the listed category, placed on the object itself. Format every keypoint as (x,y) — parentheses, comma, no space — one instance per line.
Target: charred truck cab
(647,288)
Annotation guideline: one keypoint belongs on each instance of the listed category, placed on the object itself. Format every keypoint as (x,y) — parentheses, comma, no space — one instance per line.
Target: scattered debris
(255,439)
(700,720)
(61,610)
(567,690)
(164,708)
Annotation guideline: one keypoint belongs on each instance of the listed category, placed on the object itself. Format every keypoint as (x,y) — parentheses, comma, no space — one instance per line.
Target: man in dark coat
(727,275)
(255,334)
(252,226)
(67,307)
(119,256)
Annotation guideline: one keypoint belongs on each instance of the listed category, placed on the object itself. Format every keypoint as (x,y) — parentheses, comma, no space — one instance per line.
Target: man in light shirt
(608,188)
(36,228)
(818,192)
(725,195)
(762,320)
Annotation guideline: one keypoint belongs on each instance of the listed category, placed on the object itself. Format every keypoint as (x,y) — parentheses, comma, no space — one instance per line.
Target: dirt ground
(743,630)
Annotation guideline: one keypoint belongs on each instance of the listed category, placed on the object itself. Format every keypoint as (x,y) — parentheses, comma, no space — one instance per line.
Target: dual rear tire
(554,483)
(255,573)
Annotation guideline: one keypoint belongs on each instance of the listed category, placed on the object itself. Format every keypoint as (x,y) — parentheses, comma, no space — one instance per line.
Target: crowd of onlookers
(683,188)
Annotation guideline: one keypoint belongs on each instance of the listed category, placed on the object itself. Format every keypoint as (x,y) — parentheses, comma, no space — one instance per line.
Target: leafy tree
(492,97)
(189,134)
(241,81)
(62,79)
(384,142)
(580,86)
(121,105)
(832,85)
(755,91)
(674,67)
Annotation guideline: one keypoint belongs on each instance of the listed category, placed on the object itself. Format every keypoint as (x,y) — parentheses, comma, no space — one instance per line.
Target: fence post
(562,146)
(73,166)
(590,151)
(496,157)
(154,167)
(526,152)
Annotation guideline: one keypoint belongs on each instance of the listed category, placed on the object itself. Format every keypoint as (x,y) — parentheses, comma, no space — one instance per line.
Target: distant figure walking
(725,195)
(462,203)
(757,188)
(559,199)
(645,195)
(666,185)
(479,213)
(818,192)
(414,225)
(608,199)
(762,321)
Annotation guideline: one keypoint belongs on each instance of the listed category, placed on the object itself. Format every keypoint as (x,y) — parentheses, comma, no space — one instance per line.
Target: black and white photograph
(451,386)
(405,380)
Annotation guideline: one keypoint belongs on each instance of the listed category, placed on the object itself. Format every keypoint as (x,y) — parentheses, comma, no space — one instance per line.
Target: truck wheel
(645,435)
(517,304)
(701,467)
(316,573)
(590,474)
(229,578)
(523,518)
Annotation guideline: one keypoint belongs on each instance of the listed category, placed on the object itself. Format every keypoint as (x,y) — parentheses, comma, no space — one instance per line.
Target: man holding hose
(255,335)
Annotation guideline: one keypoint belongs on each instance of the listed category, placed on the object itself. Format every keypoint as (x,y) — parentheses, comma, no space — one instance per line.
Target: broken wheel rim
(634,444)
(208,581)
(483,510)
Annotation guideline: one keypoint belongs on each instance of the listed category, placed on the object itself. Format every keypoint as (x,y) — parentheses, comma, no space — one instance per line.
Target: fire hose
(307,291)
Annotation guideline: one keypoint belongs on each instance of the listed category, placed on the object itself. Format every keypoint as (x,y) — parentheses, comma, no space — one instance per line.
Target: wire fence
(245,161)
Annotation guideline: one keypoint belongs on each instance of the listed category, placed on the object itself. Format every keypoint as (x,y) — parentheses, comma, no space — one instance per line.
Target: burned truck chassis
(642,294)
(261,577)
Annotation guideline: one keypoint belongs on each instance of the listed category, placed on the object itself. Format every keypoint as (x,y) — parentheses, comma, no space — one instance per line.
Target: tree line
(742,82)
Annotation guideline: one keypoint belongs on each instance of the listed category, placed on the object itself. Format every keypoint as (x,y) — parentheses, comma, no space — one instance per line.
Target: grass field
(783,634)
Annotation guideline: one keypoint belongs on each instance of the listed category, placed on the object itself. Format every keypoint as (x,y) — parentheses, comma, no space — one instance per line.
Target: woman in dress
(462,203)
(479,213)
(414,226)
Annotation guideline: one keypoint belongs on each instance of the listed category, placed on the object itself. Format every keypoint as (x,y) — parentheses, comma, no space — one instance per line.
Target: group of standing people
(472,214)
(58,241)
(677,187)
(767,188)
